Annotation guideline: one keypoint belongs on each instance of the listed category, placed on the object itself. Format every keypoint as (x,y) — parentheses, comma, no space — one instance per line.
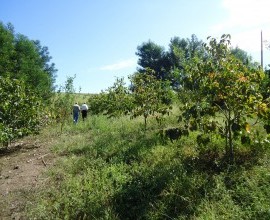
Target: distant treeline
(170,65)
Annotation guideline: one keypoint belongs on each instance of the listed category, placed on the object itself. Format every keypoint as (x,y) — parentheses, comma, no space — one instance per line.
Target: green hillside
(113,169)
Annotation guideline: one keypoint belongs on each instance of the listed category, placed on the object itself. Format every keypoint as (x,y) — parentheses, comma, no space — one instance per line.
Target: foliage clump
(19,110)
(147,96)
(27,82)
(222,86)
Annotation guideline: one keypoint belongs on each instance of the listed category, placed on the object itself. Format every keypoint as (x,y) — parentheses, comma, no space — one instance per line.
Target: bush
(19,110)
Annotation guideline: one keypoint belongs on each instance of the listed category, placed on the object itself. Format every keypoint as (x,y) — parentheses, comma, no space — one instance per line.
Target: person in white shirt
(84,109)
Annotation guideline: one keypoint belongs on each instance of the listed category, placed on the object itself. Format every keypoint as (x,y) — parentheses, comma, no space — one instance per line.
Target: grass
(112,169)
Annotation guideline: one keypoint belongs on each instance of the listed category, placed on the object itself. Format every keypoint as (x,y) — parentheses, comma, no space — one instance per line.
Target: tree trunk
(226,139)
(231,146)
(230,140)
(145,122)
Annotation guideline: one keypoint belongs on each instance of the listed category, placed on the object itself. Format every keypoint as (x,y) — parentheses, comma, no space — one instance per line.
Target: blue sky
(97,39)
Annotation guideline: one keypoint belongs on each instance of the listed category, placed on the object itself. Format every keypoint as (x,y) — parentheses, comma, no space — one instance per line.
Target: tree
(32,66)
(63,101)
(152,96)
(169,65)
(243,57)
(178,51)
(154,57)
(7,49)
(19,110)
(46,65)
(97,103)
(26,60)
(181,50)
(26,79)
(224,86)
(114,102)
(119,100)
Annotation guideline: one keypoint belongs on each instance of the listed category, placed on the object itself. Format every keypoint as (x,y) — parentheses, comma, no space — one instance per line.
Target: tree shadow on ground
(12,148)
(171,191)
(154,193)
(15,147)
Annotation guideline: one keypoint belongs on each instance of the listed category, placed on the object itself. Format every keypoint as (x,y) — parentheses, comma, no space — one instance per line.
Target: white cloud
(244,20)
(245,14)
(120,65)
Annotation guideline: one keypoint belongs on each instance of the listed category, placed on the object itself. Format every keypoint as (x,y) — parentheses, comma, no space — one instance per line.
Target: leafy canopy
(26,60)
(19,110)
(222,86)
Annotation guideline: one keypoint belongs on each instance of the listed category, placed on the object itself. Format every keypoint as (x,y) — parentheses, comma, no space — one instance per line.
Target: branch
(255,121)
(224,112)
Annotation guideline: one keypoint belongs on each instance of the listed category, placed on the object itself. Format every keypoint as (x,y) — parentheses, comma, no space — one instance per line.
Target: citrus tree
(118,99)
(114,102)
(19,110)
(97,103)
(63,101)
(152,96)
(223,86)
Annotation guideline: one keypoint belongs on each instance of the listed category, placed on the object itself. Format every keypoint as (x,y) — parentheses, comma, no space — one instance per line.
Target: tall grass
(112,169)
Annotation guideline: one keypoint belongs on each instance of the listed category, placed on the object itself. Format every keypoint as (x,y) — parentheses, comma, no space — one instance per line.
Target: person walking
(76,112)
(84,109)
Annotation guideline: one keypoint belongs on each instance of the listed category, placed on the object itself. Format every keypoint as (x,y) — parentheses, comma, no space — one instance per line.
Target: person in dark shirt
(76,112)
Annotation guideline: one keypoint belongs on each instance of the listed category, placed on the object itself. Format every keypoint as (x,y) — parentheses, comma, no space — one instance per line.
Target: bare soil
(22,167)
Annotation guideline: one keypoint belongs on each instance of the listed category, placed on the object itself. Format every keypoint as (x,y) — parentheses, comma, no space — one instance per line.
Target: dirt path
(21,173)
